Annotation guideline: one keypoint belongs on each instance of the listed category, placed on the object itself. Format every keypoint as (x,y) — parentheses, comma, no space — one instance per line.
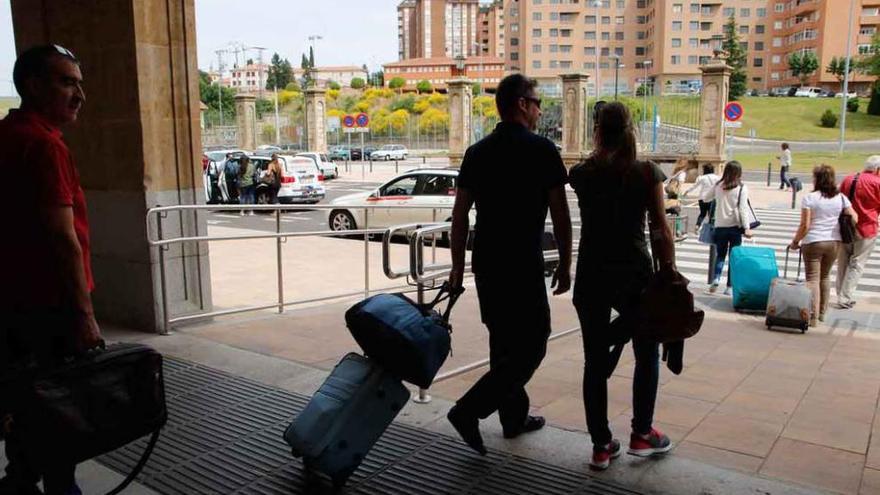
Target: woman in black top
(615,191)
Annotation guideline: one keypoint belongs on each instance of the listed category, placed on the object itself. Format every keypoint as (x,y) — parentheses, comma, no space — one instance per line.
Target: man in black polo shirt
(513,176)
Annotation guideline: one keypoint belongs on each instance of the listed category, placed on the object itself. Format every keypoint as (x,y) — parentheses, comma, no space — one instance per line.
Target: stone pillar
(460,119)
(316,119)
(137,144)
(716,82)
(575,134)
(246,121)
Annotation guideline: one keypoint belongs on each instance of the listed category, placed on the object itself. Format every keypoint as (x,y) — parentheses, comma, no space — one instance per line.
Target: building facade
(250,78)
(438,28)
(666,41)
(341,74)
(487,71)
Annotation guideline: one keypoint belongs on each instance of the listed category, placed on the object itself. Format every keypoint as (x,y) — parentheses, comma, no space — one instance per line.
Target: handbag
(87,406)
(754,223)
(707,230)
(408,339)
(847,228)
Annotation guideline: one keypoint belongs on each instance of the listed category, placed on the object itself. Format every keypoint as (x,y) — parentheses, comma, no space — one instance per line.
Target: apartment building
(490,20)
(666,41)
(438,28)
(339,74)
(820,26)
(250,78)
(487,71)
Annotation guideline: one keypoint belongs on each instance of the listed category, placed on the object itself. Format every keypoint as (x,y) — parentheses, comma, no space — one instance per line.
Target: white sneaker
(727,291)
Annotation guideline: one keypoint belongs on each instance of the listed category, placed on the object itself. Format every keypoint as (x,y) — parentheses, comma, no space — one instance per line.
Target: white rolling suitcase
(790,301)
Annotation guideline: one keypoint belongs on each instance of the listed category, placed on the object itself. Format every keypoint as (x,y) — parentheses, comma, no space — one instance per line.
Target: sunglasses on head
(536,101)
(64,51)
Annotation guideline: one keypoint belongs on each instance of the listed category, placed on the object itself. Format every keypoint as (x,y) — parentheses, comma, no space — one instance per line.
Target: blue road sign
(733,111)
(348,121)
(362,120)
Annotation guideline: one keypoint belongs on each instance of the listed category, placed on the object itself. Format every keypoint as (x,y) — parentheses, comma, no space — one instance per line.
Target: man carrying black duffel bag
(45,305)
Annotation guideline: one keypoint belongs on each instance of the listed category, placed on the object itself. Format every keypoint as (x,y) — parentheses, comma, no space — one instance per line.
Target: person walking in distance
(784,165)
(863,190)
(819,235)
(703,186)
(731,198)
(615,192)
(46,312)
(246,182)
(510,288)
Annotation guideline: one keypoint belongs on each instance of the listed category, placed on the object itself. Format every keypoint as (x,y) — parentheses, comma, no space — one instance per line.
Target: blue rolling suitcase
(345,417)
(752,270)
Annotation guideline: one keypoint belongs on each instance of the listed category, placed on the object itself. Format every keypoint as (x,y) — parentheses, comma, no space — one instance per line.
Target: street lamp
(617,67)
(459,65)
(312,39)
(645,64)
(845,81)
(597,4)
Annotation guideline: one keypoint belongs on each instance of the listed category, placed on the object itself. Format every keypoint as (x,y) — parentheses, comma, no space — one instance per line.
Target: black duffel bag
(87,406)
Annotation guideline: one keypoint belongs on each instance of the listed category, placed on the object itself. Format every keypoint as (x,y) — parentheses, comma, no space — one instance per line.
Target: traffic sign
(348,121)
(352,130)
(733,125)
(733,111)
(362,120)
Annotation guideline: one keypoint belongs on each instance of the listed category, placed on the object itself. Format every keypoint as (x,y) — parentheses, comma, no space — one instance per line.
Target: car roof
(434,171)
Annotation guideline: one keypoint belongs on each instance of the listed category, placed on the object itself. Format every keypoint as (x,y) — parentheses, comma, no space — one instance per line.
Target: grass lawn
(797,119)
(804,162)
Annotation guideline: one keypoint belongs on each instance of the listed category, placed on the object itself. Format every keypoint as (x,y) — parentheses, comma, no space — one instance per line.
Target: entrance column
(316,118)
(137,144)
(716,83)
(460,119)
(246,121)
(575,134)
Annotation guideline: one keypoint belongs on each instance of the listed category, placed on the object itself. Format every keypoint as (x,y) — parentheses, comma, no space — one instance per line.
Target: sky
(354,32)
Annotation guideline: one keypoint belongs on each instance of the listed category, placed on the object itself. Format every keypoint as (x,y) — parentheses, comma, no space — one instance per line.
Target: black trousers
(517,316)
(44,336)
(783,179)
(705,208)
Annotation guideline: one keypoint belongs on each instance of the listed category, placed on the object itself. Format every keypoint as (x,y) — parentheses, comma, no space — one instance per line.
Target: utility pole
(312,39)
(277,121)
(845,81)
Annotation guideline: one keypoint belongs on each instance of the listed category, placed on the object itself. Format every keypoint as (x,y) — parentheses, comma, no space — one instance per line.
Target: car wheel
(341,220)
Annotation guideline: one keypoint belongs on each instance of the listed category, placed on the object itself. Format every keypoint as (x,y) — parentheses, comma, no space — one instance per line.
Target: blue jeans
(726,238)
(247,195)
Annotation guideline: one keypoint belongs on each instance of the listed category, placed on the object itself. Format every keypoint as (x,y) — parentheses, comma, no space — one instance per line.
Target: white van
(808,92)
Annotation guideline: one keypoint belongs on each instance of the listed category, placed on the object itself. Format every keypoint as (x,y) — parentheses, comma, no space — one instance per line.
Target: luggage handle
(785,270)
(445,293)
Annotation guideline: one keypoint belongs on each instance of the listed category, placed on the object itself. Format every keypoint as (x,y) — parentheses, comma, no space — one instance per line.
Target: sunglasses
(64,52)
(536,101)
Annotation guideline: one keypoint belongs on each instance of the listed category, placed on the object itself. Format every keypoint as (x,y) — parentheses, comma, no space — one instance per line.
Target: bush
(852,105)
(358,83)
(334,85)
(829,119)
(874,105)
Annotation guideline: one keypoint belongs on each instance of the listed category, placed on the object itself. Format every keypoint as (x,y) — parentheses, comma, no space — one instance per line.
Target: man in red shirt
(45,305)
(865,198)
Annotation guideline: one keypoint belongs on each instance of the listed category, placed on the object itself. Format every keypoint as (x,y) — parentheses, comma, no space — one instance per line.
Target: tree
(292,86)
(424,86)
(264,106)
(837,67)
(280,73)
(396,83)
(312,57)
(209,93)
(476,88)
(358,83)
(736,59)
(334,85)
(378,78)
(803,65)
(869,63)
(250,61)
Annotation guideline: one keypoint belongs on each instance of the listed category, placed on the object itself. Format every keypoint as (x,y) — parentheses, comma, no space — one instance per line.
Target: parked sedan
(338,153)
(390,152)
(422,187)
(328,169)
(301,181)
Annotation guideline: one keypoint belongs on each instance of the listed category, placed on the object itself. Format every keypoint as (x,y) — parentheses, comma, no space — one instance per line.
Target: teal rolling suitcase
(752,270)
(345,417)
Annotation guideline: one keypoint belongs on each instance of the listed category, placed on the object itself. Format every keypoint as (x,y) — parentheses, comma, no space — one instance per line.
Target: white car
(326,165)
(421,187)
(851,94)
(390,152)
(301,181)
(808,92)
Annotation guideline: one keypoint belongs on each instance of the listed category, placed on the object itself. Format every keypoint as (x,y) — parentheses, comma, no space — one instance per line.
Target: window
(774,76)
(514,41)
(676,25)
(604,65)
(777,42)
(536,48)
(745,12)
(590,51)
(743,29)
(640,35)
(567,17)
(554,33)
(692,59)
(761,12)
(759,29)
(405,186)
(759,46)
(565,64)
(514,56)
(439,185)
(641,4)
(606,19)
(640,51)
(605,52)
(693,42)
(590,19)
(554,48)
(589,35)
(536,16)
(618,51)
(565,48)
(621,4)
(536,64)
(758,62)
(554,64)
(867,31)
(695,8)
(589,65)
(779,7)
(744,45)
(776,59)
(606,36)
(704,60)
(566,33)
(729,11)
(695,25)
(640,19)
(777,25)
(618,20)
(870,11)
(676,42)
(536,33)
(618,36)
(675,59)
(676,8)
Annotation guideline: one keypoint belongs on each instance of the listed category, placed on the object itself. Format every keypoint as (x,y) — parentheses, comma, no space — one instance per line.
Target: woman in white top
(819,235)
(704,186)
(784,165)
(732,218)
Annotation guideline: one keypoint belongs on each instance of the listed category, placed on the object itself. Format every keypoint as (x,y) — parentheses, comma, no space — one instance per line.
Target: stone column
(136,144)
(460,119)
(316,119)
(575,134)
(716,83)
(246,121)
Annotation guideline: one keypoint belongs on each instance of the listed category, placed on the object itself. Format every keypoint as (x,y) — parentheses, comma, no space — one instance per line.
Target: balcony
(805,6)
(869,20)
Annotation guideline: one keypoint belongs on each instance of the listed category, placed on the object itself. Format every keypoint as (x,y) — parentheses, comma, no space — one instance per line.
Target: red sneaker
(655,442)
(602,455)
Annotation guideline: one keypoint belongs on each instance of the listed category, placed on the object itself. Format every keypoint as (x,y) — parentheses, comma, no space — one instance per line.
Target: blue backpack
(408,339)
